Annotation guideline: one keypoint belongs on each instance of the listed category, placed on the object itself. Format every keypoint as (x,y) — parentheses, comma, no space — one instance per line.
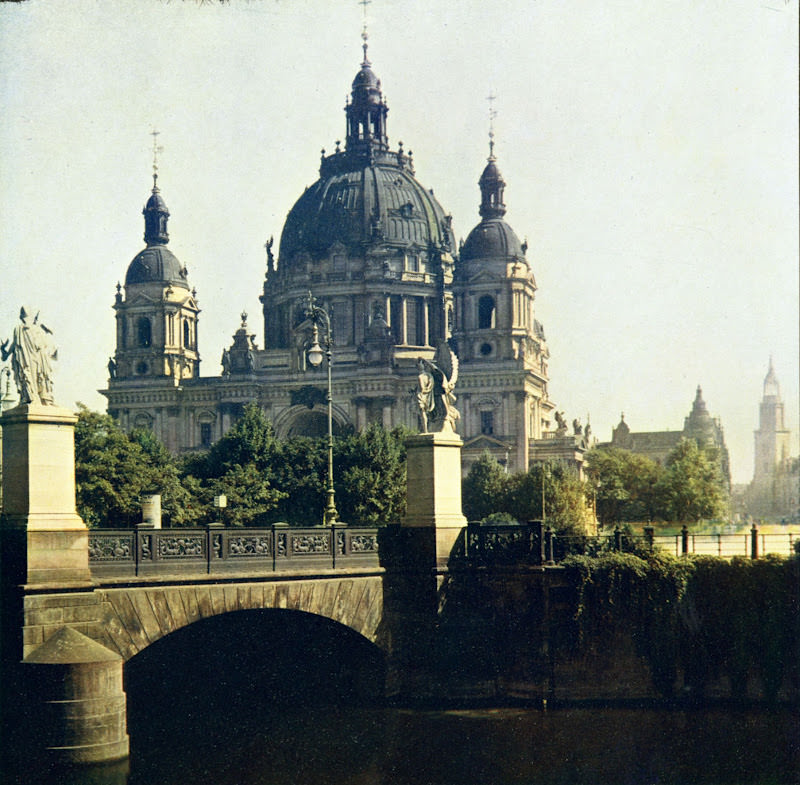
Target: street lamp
(315,353)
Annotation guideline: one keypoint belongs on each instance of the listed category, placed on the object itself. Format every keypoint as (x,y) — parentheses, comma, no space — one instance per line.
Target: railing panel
(216,550)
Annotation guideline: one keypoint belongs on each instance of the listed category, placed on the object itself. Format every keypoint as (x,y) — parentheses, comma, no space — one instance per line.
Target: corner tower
(501,345)
(156,336)
(157,314)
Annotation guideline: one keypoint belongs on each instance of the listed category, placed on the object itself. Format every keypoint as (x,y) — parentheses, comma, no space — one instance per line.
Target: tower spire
(491,183)
(156,151)
(491,98)
(366,110)
(155,212)
(364,33)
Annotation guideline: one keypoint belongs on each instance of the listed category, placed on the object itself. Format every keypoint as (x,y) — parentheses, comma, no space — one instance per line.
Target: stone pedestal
(40,523)
(433,501)
(77,686)
(414,555)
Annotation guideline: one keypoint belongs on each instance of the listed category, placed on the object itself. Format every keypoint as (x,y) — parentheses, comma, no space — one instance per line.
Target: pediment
(485,442)
(141,299)
(485,276)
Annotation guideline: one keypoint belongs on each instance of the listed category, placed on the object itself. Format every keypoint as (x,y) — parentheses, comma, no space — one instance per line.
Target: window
(487,422)
(187,337)
(486,313)
(144,332)
(205,434)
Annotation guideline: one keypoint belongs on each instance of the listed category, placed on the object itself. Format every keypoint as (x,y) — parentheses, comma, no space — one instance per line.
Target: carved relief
(311,543)
(249,546)
(364,543)
(180,547)
(110,548)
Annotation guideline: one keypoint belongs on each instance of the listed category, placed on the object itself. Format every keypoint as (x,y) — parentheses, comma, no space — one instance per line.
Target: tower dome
(366,193)
(367,237)
(492,237)
(156,263)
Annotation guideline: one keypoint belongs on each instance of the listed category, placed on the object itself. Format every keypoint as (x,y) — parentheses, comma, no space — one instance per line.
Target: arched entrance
(311,423)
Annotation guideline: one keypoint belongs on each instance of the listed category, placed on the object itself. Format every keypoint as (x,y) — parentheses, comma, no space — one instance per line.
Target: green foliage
(631,487)
(483,488)
(691,486)
(487,489)
(623,484)
(370,473)
(704,616)
(113,470)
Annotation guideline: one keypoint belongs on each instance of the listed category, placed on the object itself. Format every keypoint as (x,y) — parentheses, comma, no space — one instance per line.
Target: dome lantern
(156,215)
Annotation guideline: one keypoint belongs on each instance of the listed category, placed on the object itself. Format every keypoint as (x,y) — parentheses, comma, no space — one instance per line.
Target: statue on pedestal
(32,354)
(434,392)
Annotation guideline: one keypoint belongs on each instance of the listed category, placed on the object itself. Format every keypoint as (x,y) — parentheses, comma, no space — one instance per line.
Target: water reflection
(491,747)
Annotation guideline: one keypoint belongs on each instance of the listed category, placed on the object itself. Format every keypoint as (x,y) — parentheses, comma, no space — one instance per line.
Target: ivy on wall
(701,616)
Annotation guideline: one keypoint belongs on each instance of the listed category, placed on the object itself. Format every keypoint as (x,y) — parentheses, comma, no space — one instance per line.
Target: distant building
(379,253)
(699,425)
(774,491)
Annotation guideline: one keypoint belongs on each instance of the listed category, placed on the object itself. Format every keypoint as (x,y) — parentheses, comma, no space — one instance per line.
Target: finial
(364,34)
(491,98)
(244,318)
(156,151)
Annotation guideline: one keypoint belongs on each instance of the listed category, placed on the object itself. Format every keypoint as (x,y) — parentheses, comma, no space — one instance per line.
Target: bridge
(431,595)
(78,605)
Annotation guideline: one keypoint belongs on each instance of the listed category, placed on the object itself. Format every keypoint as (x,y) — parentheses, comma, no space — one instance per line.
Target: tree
(113,470)
(691,486)
(240,465)
(483,489)
(488,490)
(624,484)
(370,476)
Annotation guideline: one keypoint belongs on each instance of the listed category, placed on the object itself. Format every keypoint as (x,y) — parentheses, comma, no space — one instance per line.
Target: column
(386,412)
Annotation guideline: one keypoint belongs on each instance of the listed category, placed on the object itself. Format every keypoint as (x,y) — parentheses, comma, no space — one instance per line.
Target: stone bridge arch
(134,617)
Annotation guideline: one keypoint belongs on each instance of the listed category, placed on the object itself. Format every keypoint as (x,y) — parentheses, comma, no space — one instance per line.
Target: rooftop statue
(434,392)
(32,354)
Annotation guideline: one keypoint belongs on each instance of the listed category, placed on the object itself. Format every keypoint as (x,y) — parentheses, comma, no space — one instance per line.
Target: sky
(650,152)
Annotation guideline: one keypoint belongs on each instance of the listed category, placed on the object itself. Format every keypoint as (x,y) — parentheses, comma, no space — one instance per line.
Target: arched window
(187,338)
(144,331)
(486,313)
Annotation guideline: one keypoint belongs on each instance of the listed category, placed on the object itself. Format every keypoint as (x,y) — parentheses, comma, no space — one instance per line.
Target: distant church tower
(772,437)
(156,327)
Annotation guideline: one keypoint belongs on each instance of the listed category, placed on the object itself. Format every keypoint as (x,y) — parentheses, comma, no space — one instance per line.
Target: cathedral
(378,253)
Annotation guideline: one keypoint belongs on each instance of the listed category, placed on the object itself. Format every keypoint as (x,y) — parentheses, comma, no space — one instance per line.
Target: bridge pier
(77,699)
(415,555)
(65,700)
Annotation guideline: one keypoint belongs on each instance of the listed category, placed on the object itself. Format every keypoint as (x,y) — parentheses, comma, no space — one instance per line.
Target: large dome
(357,203)
(492,238)
(156,264)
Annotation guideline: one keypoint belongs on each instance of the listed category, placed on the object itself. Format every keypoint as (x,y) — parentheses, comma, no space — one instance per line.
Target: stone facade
(379,253)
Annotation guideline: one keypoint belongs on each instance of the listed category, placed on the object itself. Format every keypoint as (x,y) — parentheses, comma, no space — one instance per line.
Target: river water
(379,746)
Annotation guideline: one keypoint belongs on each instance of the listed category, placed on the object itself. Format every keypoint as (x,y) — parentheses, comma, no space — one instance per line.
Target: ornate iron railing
(215,549)
(533,543)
